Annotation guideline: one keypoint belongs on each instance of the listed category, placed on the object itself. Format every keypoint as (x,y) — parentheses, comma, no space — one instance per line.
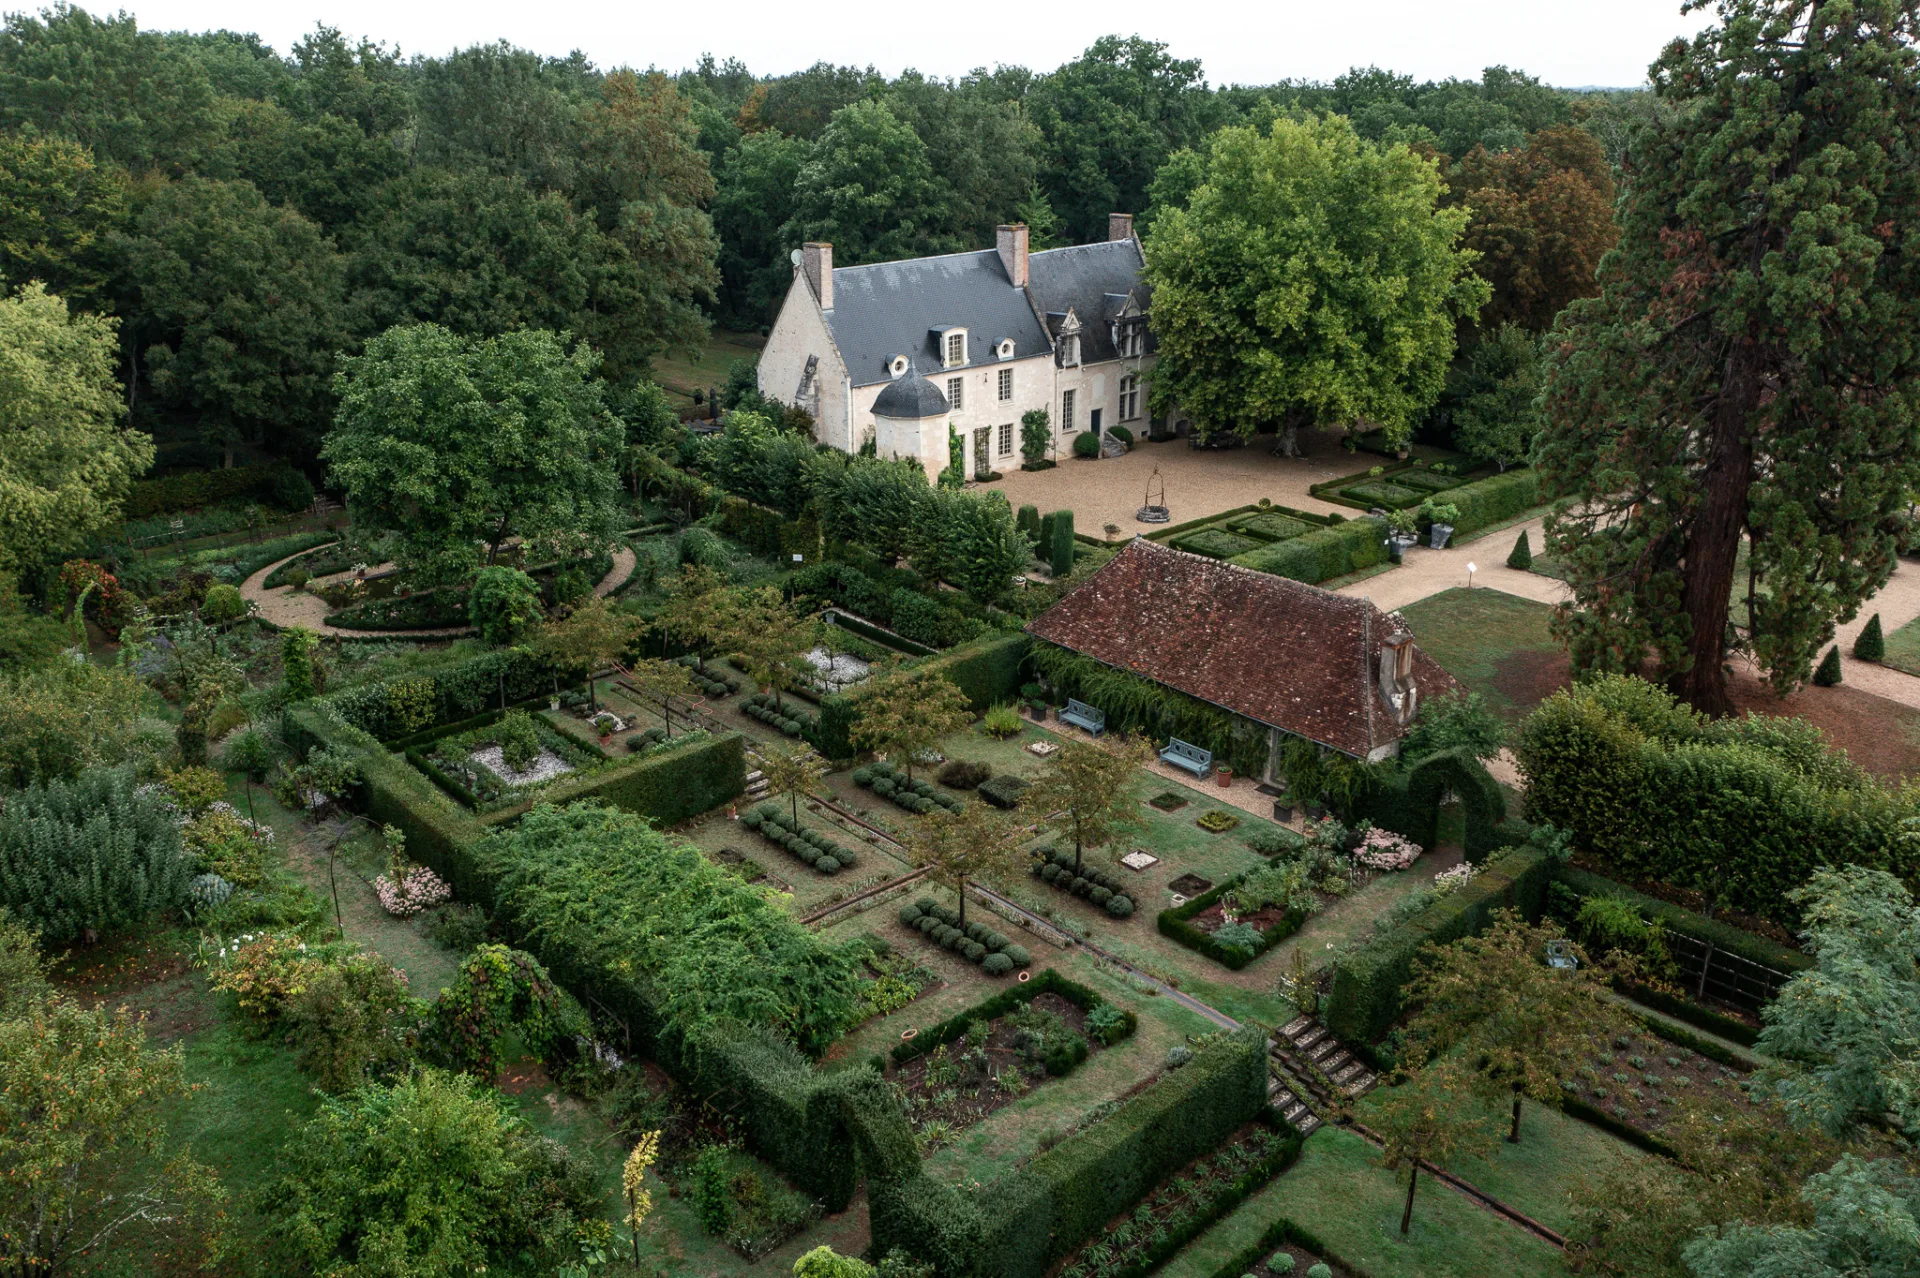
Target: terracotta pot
(1226,778)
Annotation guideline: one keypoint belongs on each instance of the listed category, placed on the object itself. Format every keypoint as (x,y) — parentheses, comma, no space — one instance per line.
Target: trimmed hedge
(988,669)
(692,775)
(1724,936)
(1486,502)
(1174,926)
(277,483)
(1409,802)
(1364,1000)
(1054,867)
(1742,811)
(1320,556)
(1049,981)
(413,703)
(1025,1220)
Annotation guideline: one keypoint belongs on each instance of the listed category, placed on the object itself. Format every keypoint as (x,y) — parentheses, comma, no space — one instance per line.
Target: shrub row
(1175,925)
(1047,981)
(782,717)
(891,784)
(715,683)
(1055,866)
(1741,811)
(810,846)
(1486,502)
(1003,791)
(693,774)
(768,532)
(1320,556)
(277,483)
(976,942)
(1018,1225)
(1364,1000)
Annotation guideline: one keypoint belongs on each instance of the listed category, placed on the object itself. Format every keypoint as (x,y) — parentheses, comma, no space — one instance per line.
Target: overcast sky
(1565,42)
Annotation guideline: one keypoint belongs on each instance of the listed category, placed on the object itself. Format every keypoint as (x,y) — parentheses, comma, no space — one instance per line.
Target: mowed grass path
(1494,643)
(1339,1192)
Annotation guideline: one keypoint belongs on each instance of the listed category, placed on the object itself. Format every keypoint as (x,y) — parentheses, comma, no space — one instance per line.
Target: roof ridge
(1268,579)
(908,261)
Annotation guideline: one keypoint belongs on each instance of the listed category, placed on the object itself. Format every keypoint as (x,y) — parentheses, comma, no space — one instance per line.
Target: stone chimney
(1012,243)
(816,260)
(1396,676)
(1119,226)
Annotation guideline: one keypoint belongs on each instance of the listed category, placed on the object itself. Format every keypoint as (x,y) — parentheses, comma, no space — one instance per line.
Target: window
(956,349)
(1006,439)
(1070,351)
(1066,412)
(1006,383)
(1129,397)
(954,387)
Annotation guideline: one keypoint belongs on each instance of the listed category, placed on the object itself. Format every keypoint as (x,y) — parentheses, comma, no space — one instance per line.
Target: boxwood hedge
(1319,556)
(1175,925)
(1048,981)
(989,670)
(1364,999)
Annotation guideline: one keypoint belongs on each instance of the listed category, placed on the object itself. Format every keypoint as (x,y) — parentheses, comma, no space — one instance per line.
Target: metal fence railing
(1712,975)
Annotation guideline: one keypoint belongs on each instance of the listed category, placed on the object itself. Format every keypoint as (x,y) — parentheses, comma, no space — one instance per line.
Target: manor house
(895,353)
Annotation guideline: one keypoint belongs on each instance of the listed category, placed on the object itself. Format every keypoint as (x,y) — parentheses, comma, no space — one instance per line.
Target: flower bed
(890,982)
(786,717)
(1054,866)
(1188,1203)
(473,766)
(891,784)
(976,943)
(810,846)
(953,1074)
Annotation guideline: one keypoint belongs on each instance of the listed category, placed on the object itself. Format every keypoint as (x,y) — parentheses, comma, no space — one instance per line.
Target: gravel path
(283,606)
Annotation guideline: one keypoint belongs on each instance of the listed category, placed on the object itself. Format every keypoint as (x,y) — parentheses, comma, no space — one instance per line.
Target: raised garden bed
(1644,1081)
(1215,543)
(1247,936)
(1054,867)
(1272,526)
(978,942)
(1168,801)
(785,718)
(889,981)
(891,784)
(1379,492)
(809,846)
(954,1074)
(1286,1250)
(1188,1203)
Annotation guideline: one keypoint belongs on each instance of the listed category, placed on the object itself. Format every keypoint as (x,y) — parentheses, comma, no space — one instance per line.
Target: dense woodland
(253,215)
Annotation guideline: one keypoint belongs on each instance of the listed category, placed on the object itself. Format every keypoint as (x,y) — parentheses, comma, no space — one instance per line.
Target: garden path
(283,606)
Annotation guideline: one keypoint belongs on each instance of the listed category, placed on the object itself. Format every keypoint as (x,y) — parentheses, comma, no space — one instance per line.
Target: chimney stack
(1119,226)
(816,260)
(1012,243)
(1396,675)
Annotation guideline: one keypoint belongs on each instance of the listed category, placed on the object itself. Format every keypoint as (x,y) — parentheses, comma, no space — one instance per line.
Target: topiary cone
(1522,556)
(1829,672)
(1871,645)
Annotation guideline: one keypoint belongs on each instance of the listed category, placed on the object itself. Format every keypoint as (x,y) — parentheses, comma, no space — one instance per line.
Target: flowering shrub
(223,842)
(1384,850)
(263,971)
(1450,880)
(408,892)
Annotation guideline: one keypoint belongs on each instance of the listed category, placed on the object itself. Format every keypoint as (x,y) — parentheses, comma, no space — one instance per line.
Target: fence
(1712,975)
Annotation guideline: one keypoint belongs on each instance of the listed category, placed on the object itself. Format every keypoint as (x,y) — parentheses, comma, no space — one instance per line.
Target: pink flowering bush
(1384,850)
(407,892)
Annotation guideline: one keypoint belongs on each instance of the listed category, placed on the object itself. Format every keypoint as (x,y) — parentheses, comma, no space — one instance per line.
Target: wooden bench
(1082,715)
(1183,754)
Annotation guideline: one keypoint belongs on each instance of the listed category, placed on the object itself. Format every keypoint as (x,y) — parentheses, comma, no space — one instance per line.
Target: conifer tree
(1828,675)
(1871,645)
(1522,556)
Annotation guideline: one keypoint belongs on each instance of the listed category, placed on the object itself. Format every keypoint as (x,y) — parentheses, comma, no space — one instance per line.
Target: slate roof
(1294,656)
(891,308)
(913,396)
(1092,280)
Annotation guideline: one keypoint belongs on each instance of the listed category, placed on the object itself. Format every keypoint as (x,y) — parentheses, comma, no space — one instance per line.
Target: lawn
(1903,648)
(680,374)
(1340,1192)
(1494,643)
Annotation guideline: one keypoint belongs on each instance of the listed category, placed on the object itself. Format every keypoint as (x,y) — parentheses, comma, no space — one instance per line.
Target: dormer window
(950,341)
(1070,350)
(897,366)
(1006,348)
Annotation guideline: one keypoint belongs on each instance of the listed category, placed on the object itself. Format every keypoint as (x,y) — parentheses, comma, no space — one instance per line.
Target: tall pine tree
(1749,368)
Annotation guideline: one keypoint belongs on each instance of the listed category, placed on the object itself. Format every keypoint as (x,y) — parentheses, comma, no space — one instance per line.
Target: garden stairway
(1111,447)
(1313,1074)
(756,785)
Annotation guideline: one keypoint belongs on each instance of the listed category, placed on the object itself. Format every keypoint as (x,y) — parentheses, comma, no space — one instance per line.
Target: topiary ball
(974,951)
(827,865)
(1080,886)
(863,777)
(1119,906)
(1100,894)
(926,923)
(752,820)
(1018,953)
(1322,1270)
(996,965)
(1281,1262)
(909,914)
(844,856)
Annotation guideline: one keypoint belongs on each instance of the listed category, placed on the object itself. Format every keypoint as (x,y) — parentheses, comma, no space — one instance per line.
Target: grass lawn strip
(1903,648)
(1340,1191)
(1495,644)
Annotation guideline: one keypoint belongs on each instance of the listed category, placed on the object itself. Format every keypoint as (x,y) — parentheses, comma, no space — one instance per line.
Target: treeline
(249,216)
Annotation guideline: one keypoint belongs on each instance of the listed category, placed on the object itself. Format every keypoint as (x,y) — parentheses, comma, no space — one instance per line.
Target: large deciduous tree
(1089,793)
(1272,312)
(246,303)
(455,445)
(58,210)
(869,190)
(1542,220)
(751,209)
(65,463)
(906,713)
(1748,371)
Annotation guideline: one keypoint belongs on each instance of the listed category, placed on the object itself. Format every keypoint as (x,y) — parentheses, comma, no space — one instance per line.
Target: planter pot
(553,703)
(1283,813)
(1226,778)
(1315,812)
(1438,534)
(605,737)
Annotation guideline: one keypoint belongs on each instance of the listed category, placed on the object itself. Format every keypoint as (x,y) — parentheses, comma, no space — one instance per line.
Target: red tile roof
(1294,656)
